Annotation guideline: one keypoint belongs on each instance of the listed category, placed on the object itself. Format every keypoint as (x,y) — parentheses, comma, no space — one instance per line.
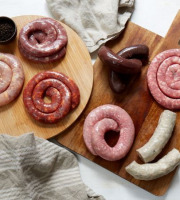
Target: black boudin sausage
(118,63)
(128,55)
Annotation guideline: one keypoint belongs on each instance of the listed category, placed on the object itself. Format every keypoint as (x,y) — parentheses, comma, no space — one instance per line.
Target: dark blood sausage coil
(11,78)
(105,118)
(123,64)
(43,40)
(118,63)
(63,92)
(163,78)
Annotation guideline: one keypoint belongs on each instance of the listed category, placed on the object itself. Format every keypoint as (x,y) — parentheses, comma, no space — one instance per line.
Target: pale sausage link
(12,78)
(43,40)
(151,171)
(63,92)
(163,78)
(105,118)
(160,137)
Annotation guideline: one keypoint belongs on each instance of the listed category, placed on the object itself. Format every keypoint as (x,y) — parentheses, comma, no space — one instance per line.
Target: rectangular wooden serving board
(136,100)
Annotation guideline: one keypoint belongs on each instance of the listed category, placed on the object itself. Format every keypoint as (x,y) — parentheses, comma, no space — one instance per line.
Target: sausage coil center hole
(111,137)
(47,99)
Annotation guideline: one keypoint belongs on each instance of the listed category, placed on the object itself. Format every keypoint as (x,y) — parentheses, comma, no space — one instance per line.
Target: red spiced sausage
(163,78)
(63,92)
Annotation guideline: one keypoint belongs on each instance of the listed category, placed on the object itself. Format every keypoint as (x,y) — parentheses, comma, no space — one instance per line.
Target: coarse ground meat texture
(163,78)
(102,119)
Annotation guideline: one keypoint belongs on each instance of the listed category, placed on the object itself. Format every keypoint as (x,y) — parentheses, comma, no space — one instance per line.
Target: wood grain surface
(76,64)
(136,100)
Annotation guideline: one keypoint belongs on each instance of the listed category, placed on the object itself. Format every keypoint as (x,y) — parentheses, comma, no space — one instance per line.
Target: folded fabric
(95,21)
(32,168)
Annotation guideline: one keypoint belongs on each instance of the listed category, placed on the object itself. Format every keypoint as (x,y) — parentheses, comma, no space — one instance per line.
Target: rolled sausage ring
(105,118)
(43,40)
(11,78)
(163,78)
(63,92)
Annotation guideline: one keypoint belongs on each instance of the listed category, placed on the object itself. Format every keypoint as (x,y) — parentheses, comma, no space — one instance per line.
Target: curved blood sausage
(139,51)
(43,40)
(63,92)
(102,119)
(118,63)
(163,78)
(121,64)
(11,78)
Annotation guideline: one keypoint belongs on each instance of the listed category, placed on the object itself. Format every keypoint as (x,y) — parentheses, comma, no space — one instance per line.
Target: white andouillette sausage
(151,171)
(160,137)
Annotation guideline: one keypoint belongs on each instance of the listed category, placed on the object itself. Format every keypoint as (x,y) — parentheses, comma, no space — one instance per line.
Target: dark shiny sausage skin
(118,81)
(118,63)
(138,51)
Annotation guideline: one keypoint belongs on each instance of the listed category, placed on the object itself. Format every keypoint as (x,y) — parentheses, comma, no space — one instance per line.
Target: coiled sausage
(163,78)
(11,78)
(63,92)
(43,40)
(102,119)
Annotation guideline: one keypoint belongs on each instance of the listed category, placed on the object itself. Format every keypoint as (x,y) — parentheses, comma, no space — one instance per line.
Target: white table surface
(154,15)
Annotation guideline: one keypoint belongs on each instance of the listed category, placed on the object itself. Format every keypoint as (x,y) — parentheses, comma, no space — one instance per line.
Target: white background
(155,15)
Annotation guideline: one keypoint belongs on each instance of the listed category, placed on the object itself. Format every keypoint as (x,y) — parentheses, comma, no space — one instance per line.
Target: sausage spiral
(163,78)
(105,118)
(43,40)
(11,78)
(63,92)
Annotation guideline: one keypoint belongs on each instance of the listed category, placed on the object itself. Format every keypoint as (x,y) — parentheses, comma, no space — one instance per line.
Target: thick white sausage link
(160,137)
(151,171)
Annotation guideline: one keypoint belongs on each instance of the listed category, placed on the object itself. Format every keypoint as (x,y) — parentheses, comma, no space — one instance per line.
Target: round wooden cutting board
(76,64)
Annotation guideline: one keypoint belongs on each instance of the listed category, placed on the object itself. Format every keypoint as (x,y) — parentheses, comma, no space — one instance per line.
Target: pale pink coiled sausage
(102,119)
(11,78)
(164,80)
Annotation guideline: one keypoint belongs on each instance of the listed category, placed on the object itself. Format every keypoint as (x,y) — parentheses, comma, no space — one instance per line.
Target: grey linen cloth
(95,21)
(32,168)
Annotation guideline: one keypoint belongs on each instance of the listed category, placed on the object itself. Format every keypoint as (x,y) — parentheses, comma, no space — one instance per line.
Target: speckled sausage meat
(43,40)
(63,92)
(102,119)
(11,78)
(163,78)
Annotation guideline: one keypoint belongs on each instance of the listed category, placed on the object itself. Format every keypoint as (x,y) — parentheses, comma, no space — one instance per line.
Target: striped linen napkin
(33,168)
